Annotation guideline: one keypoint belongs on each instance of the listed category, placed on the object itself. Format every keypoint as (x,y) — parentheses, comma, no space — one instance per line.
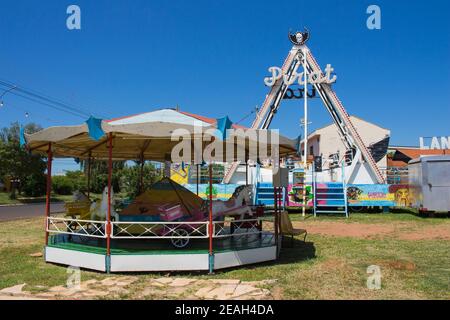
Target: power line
(248,115)
(44,96)
(28,114)
(44,99)
(49,105)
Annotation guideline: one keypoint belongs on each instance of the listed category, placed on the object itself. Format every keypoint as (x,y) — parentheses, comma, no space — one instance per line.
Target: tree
(18,164)
(130,176)
(78,180)
(99,174)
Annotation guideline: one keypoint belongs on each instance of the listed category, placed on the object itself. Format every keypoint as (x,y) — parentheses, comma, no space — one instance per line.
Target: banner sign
(366,195)
(436,143)
(358,195)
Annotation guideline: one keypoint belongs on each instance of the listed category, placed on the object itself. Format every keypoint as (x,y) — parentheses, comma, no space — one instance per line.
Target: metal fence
(154,230)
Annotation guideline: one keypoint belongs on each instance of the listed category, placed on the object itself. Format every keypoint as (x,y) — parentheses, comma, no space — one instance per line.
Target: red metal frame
(275,212)
(108,221)
(89,176)
(210,212)
(49,188)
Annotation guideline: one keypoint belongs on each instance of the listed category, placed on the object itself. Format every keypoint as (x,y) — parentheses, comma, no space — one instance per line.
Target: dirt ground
(400,230)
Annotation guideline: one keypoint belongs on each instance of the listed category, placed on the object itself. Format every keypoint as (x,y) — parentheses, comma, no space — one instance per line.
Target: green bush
(129,179)
(34,185)
(62,185)
(100,181)
(78,179)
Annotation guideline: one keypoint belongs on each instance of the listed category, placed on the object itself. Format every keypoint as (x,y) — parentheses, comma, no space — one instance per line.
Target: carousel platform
(138,255)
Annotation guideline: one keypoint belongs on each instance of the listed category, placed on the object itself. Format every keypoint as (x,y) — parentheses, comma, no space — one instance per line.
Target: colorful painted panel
(402,195)
(295,196)
(382,195)
(366,195)
(385,195)
(219,191)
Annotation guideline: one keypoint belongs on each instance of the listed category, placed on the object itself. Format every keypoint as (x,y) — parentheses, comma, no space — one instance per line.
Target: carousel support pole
(275,212)
(305,128)
(49,189)
(246,172)
(210,225)
(108,217)
(89,175)
(198,176)
(141,174)
(246,166)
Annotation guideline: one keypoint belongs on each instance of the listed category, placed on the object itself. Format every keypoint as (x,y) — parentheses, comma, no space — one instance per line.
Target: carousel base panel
(128,255)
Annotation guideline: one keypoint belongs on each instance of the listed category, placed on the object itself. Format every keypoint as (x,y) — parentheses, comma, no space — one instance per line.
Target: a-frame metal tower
(347,130)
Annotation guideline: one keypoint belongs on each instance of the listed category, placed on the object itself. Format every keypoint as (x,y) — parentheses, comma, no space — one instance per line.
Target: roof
(406,154)
(162,115)
(209,120)
(396,163)
(144,117)
(149,135)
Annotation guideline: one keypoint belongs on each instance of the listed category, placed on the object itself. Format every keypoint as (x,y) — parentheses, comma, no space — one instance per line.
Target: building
(327,143)
(398,158)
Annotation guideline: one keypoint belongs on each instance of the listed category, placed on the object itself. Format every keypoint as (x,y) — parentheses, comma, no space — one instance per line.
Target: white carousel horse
(238,204)
(99,210)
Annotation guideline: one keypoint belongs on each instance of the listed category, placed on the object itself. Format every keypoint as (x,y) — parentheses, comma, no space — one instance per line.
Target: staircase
(330,197)
(264,195)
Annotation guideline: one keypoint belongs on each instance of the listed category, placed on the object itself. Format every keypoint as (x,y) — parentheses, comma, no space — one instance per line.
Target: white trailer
(429,183)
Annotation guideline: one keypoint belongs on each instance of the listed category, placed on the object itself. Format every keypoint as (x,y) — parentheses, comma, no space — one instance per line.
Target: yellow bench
(78,210)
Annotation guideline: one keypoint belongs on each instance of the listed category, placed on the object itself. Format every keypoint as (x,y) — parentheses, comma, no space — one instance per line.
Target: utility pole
(305,130)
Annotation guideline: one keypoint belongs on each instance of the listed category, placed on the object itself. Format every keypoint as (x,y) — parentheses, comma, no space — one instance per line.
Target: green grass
(19,239)
(325,267)
(336,268)
(373,218)
(4,199)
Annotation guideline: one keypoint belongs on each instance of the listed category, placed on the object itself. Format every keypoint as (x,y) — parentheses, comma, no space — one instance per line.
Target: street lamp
(5,92)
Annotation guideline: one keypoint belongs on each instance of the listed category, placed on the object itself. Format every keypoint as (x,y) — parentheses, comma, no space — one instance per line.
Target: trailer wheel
(356,209)
(180,242)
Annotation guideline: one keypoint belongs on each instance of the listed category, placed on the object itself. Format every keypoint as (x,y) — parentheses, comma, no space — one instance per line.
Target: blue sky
(210,58)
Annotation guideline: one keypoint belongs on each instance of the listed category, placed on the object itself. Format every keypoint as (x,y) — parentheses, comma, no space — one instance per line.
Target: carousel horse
(238,204)
(99,210)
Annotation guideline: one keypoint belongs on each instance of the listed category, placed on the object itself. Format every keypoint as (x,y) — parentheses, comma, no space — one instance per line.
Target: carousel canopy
(146,136)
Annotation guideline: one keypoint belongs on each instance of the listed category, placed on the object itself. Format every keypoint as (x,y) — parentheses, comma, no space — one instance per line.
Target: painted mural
(364,195)
(402,195)
(370,195)
(295,196)
(219,191)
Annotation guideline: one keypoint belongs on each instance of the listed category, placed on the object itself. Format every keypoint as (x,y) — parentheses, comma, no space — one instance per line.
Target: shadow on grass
(298,252)
(416,213)
(432,215)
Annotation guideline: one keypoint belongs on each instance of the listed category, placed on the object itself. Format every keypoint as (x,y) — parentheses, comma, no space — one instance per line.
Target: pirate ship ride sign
(298,39)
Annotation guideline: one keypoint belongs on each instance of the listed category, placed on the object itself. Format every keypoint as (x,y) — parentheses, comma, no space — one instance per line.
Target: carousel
(167,227)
